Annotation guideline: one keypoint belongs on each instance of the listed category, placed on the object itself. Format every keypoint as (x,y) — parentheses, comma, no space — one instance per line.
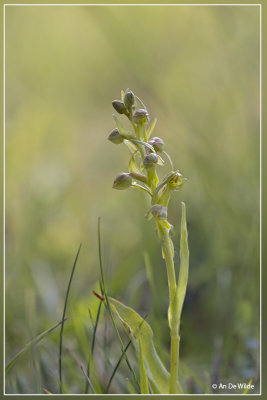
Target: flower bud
(119,106)
(129,100)
(122,181)
(115,137)
(141,115)
(157,143)
(150,160)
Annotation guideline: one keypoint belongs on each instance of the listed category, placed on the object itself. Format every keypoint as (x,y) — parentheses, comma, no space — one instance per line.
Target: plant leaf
(151,128)
(184,261)
(138,329)
(142,371)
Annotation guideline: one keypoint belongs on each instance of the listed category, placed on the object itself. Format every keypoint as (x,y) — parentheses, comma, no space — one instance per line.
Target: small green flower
(122,181)
(115,137)
(176,181)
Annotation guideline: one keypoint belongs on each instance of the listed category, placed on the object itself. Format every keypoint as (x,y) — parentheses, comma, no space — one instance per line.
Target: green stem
(152,178)
(175,342)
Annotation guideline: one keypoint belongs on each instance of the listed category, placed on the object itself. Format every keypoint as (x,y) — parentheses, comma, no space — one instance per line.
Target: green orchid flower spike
(147,156)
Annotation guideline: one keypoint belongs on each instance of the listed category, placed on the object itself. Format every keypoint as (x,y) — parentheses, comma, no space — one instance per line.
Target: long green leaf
(138,329)
(29,345)
(184,262)
(142,371)
(176,305)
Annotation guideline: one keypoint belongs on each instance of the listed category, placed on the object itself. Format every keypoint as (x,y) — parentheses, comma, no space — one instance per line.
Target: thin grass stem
(63,319)
(117,366)
(88,380)
(92,347)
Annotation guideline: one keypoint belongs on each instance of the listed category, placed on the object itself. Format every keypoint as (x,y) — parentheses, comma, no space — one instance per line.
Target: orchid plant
(147,155)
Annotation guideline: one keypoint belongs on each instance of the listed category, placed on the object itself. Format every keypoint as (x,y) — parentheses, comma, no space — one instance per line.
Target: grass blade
(92,348)
(117,366)
(29,345)
(130,386)
(88,380)
(63,319)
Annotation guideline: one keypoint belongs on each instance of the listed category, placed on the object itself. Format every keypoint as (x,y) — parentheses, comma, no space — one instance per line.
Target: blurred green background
(197,70)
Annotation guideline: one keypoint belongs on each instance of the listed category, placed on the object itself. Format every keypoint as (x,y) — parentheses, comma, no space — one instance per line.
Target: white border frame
(4,126)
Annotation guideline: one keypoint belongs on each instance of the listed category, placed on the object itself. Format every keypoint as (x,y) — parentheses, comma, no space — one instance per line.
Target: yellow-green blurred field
(197,70)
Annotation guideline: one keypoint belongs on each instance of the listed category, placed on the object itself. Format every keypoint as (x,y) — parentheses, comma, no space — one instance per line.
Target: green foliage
(139,331)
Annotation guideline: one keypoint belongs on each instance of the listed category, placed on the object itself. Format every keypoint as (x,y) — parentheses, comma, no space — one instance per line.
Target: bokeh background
(197,70)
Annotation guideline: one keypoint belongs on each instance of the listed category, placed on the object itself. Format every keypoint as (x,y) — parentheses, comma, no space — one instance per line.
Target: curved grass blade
(29,345)
(63,319)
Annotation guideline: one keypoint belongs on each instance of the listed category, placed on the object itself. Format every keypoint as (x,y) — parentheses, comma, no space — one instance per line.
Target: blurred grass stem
(63,319)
